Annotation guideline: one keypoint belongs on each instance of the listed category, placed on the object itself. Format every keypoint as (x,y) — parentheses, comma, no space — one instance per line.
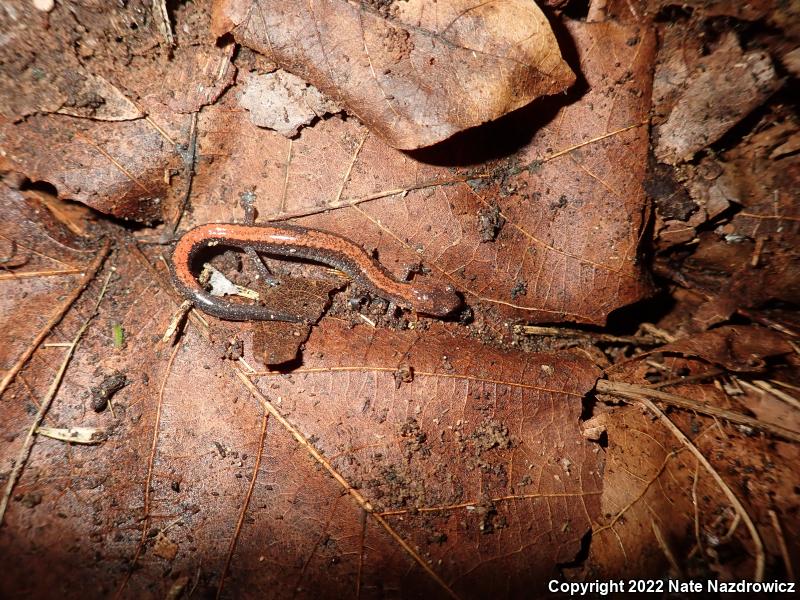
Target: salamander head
(435,300)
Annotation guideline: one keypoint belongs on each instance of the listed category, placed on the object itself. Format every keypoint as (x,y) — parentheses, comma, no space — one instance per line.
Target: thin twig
(189,159)
(766,322)
(361,537)
(687,379)
(658,332)
(346,177)
(565,332)
(638,392)
(150,467)
(286,178)
(662,543)
(787,559)
(348,202)
(245,504)
(162,17)
(761,387)
(696,507)
(56,317)
(354,493)
(30,438)
(788,386)
(758,575)
(36,274)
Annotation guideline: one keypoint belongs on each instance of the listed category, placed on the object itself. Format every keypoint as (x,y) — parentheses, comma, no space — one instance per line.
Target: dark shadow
(626,320)
(224,40)
(94,215)
(39,186)
(40,207)
(581,555)
(577,10)
(506,135)
(287,367)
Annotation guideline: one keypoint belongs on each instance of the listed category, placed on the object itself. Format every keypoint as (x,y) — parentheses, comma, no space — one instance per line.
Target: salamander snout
(436,300)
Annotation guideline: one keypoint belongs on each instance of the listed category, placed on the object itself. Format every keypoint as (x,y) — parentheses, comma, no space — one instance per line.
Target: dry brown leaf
(98,99)
(736,348)
(283,102)
(396,456)
(413,75)
(55,107)
(390,413)
(570,198)
(652,506)
(726,86)
(48,259)
(725,276)
(679,51)
(663,509)
(116,168)
(278,343)
(765,183)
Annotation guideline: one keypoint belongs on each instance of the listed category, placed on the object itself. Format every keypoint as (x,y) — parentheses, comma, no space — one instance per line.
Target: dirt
(103,393)
(490,222)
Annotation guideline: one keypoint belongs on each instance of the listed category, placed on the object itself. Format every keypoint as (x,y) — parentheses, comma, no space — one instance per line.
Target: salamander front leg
(247,200)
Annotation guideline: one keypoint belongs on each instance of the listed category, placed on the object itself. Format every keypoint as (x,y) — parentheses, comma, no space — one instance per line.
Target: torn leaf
(76,435)
(413,72)
(284,102)
(96,98)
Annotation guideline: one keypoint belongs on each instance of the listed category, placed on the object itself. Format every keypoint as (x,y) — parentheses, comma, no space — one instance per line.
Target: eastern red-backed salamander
(309,244)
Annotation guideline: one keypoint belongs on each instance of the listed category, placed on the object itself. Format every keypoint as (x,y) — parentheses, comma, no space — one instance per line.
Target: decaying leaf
(554,268)
(283,102)
(101,101)
(684,485)
(115,167)
(730,279)
(395,441)
(377,452)
(415,76)
(737,82)
(527,487)
(75,435)
(46,252)
(94,109)
(165,548)
(279,343)
(570,194)
(735,348)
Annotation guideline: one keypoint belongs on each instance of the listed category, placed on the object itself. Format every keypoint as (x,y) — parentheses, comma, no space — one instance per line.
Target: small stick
(189,157)
(787,561)
(641,393)
(762,386)
(56,317)
(27,445)
(564,332)
(32,274)
(737,505)
(687,379)
(662,543)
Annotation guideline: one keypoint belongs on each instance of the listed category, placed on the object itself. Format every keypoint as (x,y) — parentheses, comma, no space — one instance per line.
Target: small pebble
(44,5)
